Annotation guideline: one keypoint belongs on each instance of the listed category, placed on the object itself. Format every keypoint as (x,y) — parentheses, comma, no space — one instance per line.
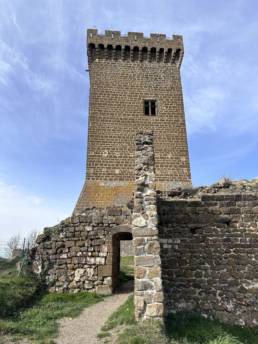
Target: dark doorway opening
(122,265)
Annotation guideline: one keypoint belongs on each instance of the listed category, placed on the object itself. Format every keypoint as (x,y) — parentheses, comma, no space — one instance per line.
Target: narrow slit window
(150,107)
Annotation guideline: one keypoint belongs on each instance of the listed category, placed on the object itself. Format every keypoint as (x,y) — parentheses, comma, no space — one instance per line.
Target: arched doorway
(121,233)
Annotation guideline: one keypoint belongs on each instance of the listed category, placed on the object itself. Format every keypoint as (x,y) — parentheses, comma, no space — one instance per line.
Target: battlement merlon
(135,46)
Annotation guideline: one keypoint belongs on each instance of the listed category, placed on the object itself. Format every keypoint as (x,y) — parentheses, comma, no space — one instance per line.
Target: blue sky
(44,95)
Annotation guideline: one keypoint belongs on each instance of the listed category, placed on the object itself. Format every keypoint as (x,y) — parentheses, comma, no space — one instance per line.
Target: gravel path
(84,328)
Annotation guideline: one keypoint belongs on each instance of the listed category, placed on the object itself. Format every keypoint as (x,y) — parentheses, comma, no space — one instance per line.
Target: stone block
(139,221)
(104,270)
(158,297)
(144,232)
(147,261)
(153,247)
(155,310)
(103,290)
(154,272)
(143,284)
(139,303)
(139,272)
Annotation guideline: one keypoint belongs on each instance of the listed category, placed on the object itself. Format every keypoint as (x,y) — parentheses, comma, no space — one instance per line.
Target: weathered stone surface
(140,272)
(103,289)
(81,258)
(154,272)
(209,252)
(139,222)
(145,236)
(104,270)
(139,303)
(147,260)
(155,310)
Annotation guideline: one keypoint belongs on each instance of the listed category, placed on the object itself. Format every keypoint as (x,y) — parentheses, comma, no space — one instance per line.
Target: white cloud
(11,61)
(22,212)
(204,108)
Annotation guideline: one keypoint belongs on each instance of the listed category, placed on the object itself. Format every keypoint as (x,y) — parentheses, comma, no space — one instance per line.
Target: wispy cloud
(203,109)
(11,61)
(21,212)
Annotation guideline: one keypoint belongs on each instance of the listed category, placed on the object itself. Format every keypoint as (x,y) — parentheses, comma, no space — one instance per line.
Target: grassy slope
(39,322)
(179,329)
(15,291)
(26,312)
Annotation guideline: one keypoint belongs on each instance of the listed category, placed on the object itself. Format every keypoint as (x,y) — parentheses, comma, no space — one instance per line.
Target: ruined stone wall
(209,255)
(78,253)
(148,290)
(195,249)
(122,76)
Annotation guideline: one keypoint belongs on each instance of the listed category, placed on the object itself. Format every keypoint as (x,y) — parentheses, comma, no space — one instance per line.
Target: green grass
(25,311)
(8,267)
(126,268)
(16,291)
(199,330)
(123,315)
(39,323)
(178,329)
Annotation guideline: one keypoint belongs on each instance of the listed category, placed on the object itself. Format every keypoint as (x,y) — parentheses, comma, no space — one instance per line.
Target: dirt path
(84,328)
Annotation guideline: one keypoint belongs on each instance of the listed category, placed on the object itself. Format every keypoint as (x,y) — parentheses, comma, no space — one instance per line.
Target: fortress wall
(209,255)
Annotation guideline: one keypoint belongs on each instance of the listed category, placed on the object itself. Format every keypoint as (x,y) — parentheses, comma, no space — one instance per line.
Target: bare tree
(31,239)
(12,244)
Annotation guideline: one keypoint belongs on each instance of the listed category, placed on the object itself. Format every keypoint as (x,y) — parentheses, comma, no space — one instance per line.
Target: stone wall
(148,291)
(195,249)
(209,254)
(78,253)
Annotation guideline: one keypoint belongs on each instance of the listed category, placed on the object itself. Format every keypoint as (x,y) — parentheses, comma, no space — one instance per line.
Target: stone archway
(123,232)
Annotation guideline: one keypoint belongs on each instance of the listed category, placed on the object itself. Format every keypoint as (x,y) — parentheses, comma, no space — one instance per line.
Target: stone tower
(135,85)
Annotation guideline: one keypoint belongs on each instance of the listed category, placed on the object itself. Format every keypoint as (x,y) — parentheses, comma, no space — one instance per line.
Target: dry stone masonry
(209,251)
(78,253)
(148,284)
(194,249)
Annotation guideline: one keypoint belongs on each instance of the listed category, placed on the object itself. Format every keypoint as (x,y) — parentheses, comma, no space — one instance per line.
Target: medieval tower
(135,85)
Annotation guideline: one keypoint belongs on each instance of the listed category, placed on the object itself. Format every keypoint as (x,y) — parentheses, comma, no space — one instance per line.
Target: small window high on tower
(150,107)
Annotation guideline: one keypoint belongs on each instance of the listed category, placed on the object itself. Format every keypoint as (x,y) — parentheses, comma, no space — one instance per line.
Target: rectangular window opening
(150,107)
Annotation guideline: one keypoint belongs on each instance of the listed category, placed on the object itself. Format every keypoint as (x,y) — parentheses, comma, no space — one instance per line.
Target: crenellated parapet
(134,47)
